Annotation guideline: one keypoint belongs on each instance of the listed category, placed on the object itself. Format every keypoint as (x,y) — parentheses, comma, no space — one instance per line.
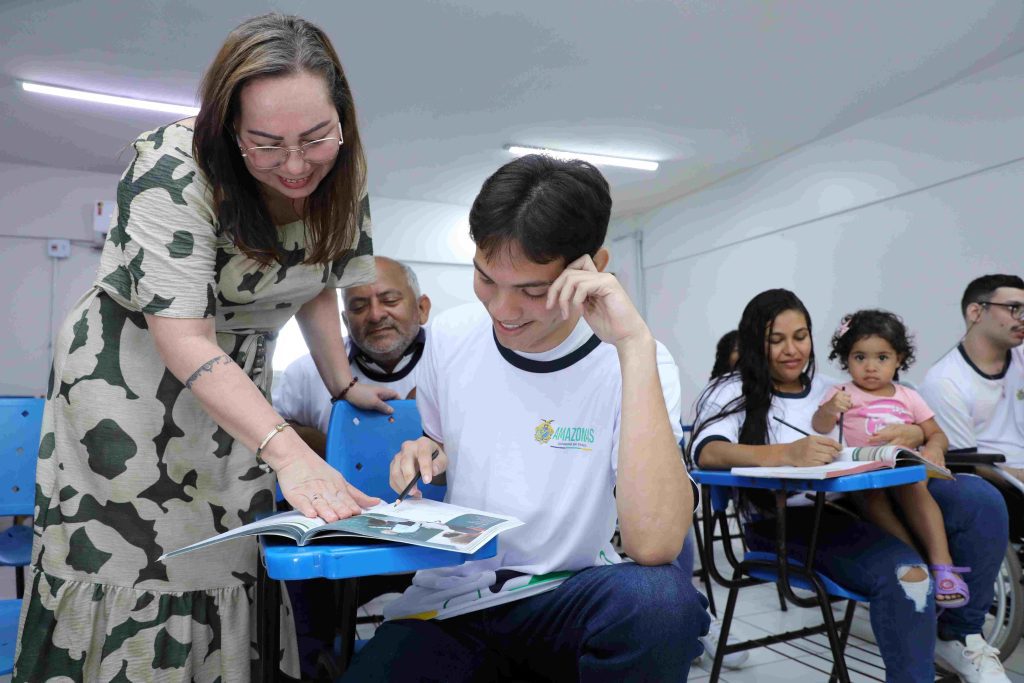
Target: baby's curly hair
(872,323)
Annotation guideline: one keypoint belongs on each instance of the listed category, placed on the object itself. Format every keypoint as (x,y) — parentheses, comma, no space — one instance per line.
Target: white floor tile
(794,618)
(809,659)
(1015,662)
(786,671)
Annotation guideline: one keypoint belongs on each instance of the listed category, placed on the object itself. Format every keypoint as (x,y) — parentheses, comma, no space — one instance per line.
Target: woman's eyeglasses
(266,158)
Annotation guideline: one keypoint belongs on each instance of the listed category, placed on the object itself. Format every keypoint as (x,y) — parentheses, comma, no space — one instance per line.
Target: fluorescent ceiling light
(109,99)
(598,159)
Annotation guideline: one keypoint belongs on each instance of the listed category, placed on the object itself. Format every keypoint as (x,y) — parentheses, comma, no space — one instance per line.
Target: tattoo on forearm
(205,368)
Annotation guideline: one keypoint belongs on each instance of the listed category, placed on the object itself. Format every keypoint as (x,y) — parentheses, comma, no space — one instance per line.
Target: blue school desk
(360,445)
(283,560)
(717,487)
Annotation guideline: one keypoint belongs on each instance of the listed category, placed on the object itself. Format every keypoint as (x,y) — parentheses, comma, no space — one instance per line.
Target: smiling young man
(977,389)
(553,403)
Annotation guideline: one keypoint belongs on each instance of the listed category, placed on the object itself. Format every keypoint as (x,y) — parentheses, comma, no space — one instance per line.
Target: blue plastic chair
(21,420)
(360,445)
(788,573)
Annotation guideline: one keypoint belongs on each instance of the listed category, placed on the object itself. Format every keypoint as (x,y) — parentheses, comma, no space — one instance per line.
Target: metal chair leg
(782,598)
(349,614)
(268,623)
(703,572)
(723,636)
(835,644)
(851,606)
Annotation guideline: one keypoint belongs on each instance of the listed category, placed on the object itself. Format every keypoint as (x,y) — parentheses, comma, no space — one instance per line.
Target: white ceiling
(705,88)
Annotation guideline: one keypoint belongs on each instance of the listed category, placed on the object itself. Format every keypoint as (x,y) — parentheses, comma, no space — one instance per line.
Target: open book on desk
(850,461)
(417,521)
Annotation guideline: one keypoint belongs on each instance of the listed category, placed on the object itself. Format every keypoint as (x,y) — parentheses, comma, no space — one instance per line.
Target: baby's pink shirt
(870,414)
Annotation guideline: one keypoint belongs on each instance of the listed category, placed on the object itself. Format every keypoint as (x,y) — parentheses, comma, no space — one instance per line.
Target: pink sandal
(948,583)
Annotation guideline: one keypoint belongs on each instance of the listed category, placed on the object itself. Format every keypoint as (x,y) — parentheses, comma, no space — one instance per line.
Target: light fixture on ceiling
(109,99)
(598,159)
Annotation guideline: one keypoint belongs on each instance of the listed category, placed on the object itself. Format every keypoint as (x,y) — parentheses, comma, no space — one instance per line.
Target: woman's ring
(315,497)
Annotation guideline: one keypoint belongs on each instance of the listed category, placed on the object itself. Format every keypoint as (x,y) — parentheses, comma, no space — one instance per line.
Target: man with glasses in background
(977,393)
(977,389)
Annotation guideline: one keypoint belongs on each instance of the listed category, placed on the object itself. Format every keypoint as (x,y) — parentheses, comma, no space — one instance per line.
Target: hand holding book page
(850,461)
(417,521)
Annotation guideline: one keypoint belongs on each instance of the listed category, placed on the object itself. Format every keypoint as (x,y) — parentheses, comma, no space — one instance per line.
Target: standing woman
(227,226)
(736,427)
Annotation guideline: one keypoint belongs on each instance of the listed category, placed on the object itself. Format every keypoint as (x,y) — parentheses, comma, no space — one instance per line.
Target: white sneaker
(974,662)
(710,643)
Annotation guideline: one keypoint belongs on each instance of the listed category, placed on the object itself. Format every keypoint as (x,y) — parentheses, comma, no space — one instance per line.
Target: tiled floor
(808,659)
(757,614)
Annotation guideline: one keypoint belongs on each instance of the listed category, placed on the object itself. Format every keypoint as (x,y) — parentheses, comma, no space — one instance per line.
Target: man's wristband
(341,396)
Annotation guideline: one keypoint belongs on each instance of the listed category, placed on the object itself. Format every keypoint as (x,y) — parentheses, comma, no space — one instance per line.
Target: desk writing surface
(852,482)
(285,560)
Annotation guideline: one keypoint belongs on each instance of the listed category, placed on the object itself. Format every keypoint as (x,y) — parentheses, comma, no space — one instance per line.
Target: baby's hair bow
(844,326)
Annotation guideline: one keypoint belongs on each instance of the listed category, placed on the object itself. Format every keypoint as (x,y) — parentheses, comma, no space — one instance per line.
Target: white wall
(899,211)
(40,203)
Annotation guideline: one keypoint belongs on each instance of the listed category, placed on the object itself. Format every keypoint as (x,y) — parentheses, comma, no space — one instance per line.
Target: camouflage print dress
(131,466)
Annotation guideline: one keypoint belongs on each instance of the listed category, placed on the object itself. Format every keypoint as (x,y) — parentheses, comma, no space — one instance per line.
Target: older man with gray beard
(385,342)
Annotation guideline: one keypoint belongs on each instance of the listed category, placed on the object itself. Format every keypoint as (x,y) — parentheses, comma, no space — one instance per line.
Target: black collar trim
(803,393)
(998,375)
(360,358)
(542,366)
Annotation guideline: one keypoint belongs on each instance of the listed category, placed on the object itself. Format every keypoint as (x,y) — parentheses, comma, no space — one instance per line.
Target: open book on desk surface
(851,460)
(417,521)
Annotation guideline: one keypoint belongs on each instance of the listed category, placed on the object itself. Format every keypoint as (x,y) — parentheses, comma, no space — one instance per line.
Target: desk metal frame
(282,560)
(782,567)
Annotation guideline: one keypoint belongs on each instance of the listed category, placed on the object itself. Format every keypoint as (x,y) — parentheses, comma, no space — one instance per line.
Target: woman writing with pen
(739,424)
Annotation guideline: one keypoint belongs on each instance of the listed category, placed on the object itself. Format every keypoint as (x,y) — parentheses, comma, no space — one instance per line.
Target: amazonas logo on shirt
(577,438)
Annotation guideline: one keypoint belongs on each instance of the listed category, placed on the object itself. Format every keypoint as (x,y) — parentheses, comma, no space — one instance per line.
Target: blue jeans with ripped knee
(865,559)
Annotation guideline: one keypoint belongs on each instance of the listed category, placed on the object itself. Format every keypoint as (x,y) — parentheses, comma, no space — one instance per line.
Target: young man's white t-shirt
(535,436)
(795,408)
(976,410)
(300,395)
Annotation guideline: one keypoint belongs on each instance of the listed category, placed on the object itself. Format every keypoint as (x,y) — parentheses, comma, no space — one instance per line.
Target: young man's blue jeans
(621,622)
(865,559)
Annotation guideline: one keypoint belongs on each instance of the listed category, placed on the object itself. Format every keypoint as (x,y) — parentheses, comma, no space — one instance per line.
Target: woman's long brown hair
(267,46)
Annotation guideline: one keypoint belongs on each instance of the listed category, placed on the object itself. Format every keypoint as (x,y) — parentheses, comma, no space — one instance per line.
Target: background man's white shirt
(300,395)
(976,410)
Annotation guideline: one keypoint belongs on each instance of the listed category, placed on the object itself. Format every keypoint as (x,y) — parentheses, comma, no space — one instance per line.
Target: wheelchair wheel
(1004,624)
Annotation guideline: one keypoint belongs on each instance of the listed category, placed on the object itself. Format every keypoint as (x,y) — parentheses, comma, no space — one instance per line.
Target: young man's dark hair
(981,289)
(548,207)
